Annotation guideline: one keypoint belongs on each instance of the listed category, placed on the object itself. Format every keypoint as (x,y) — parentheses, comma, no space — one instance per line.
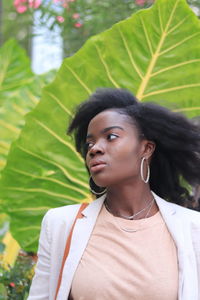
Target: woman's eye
(112,136)
(88,145)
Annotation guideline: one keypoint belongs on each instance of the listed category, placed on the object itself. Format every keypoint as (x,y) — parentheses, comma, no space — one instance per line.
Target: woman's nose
(96,149)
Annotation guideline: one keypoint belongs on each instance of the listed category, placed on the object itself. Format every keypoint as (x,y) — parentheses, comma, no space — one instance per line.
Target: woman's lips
(98,167)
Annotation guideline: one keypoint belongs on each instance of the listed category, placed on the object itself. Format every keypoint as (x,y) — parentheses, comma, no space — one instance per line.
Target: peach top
(116,264)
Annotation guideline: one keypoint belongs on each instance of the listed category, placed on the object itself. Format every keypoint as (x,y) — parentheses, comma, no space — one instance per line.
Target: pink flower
(75,16)
(60,19)
(65,5)
(19,2)
(21,9)
(78,25)
(140,2)
(34,3)
(19,6)
(12,284)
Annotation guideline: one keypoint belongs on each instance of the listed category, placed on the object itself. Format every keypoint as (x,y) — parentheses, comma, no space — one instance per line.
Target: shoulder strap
(67,247)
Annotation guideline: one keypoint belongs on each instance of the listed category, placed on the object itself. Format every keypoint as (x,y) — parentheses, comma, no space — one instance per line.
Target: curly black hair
(175,163)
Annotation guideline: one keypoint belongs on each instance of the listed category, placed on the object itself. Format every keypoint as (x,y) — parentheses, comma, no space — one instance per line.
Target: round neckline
(136,225)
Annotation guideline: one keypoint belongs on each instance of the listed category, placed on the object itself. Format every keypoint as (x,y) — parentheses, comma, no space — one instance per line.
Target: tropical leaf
(14,66)
(155,54)
(20,91)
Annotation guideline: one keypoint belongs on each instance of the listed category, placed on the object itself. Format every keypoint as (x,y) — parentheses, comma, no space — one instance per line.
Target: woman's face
(114,149)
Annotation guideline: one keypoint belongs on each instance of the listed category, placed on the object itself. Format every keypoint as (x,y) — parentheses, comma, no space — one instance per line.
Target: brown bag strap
(67,247)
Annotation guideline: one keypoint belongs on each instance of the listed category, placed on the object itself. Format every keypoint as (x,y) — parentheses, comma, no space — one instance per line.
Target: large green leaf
(14,66)
(155,54)
(20,91)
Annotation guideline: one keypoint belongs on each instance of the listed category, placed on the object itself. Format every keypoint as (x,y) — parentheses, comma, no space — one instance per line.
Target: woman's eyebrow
(105,130)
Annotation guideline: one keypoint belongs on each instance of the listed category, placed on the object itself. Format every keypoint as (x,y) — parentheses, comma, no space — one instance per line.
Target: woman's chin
(100,182)
(103,179)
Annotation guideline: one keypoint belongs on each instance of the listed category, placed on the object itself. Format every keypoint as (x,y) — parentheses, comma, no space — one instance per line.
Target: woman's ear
(148,148)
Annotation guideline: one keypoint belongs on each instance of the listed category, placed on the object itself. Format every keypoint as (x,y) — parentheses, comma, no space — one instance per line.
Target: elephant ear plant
(155,54)
(20,91)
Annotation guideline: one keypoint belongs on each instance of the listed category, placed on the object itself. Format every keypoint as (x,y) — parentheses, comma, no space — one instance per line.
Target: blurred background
(50,30)
(35,37)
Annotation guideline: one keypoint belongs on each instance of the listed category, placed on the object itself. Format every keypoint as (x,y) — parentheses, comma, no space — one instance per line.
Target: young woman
(130,243)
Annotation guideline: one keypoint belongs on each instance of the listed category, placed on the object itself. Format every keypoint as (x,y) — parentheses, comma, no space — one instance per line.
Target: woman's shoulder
(192,215)
(62,212)
(59,219)
(183,213)
(66,214)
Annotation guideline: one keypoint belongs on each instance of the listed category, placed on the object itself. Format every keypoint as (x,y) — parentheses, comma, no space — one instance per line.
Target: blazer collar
(168,211)
(94,207)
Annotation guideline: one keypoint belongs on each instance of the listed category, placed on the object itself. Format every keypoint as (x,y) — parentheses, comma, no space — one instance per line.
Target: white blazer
(183,224)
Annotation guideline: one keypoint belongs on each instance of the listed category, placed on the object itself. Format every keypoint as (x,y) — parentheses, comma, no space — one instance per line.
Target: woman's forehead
(109,118)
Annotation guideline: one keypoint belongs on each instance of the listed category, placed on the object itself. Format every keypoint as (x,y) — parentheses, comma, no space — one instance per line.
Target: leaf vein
(60,104)
(179,43)
(51,162)
(129,54)
(176,88)
(187,109)
(106,68)
(21,229)
(52,180)
(79,79)
(175,66)
(147,37)
(43,191)
(51,132)
(9,127)
(143,85)
(177,25)
(160,18)
(18,209)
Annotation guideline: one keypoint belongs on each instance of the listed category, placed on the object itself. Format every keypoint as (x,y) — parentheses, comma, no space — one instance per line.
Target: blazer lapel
(179,229)
(80,237)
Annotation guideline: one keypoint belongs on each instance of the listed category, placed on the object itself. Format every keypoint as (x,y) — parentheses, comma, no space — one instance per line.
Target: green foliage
(2,247)
(4,226)
(94,17)
(14,25)
(15,281)
(20,91)
(15,68)
(155,54)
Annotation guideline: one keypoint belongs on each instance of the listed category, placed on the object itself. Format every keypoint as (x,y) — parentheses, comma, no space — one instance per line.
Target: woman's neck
(128,199)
